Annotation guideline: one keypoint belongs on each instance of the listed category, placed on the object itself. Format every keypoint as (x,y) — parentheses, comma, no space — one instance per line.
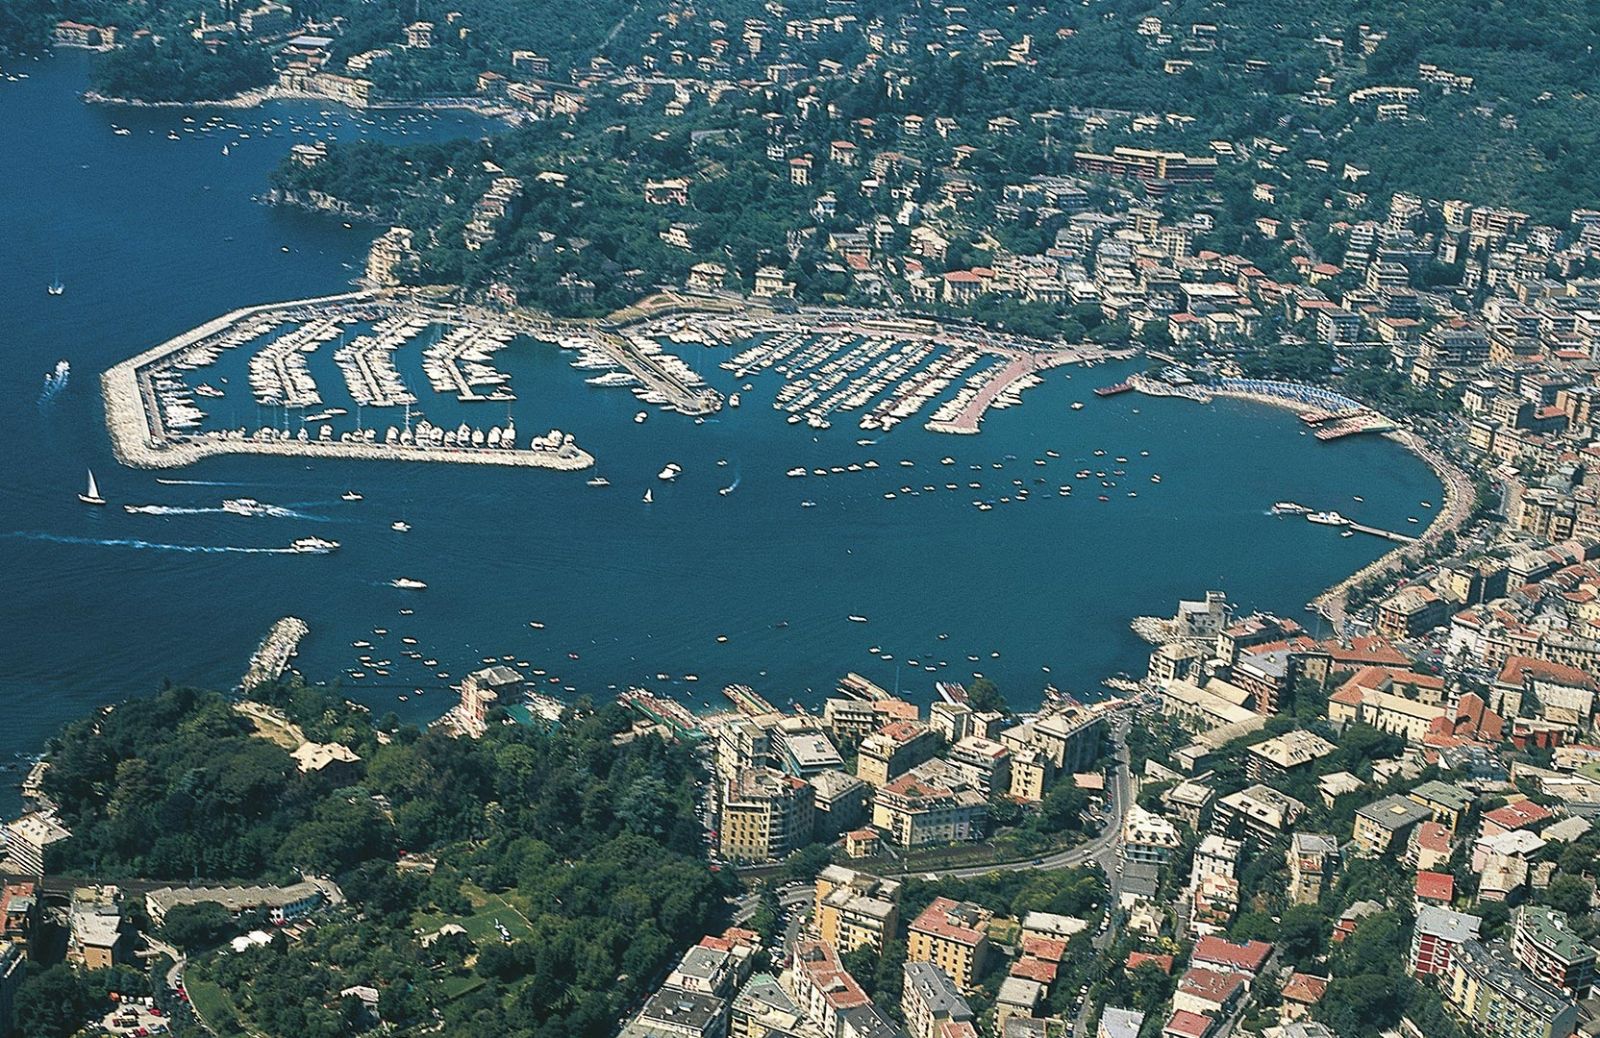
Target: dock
(670,714)
(855,686)
(1354,425)
(272,656)
(748,701)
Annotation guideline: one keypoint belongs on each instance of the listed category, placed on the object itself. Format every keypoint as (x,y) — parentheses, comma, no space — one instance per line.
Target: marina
(154,423)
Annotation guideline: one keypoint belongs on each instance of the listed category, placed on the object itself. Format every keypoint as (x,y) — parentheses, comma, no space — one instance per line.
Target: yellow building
(855,909)
(765,815)
(953,936)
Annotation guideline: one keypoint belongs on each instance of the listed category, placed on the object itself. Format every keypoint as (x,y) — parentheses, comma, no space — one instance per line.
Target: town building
(1498,1000)
(1435,937)
(765,815)
(855,909)
(953,936)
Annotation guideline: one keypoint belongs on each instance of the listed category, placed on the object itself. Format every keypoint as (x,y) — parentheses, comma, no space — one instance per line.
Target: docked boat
(313,546)
(91,496)
(407,584)
(733,399)
(1289,508)
(1328,519)
(797,472)
(641,416)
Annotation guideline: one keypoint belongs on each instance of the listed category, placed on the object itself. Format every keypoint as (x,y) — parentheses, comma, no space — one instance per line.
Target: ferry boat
(407,584)
(1328,519)
(313,546)
(671,472)
(92,495)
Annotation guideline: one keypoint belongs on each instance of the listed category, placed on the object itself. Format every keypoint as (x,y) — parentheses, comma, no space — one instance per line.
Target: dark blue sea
(151,236)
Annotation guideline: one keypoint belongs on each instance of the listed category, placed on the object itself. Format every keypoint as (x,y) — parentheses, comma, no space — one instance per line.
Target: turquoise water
(153,236)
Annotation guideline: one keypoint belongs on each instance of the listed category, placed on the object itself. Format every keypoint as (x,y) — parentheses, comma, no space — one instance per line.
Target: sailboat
(92,495)
(649,497)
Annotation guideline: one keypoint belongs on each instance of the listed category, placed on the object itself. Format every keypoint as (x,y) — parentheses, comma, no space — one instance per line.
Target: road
(1119,797)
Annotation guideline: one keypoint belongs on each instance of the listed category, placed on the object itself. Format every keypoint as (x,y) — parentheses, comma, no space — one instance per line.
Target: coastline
(1450,517)
(263,95)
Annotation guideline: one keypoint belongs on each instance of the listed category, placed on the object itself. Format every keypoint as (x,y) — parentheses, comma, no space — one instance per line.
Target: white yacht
(671,472)
(314,546)
(400,526)
(407,584)
(350,495)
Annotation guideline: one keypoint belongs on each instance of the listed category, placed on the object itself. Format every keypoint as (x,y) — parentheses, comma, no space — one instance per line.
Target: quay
(1375,531)
(679,396)
(855,686)
(748,701)
(1003,387)
(272,656)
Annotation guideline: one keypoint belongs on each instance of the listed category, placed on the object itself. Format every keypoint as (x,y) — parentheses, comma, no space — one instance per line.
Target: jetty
(855,686)
(272,656)
(748,701)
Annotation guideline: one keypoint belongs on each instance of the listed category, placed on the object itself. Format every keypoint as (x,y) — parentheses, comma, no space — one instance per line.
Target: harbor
(154,421)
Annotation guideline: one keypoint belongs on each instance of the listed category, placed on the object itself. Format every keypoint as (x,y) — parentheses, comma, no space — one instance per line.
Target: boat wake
(195,483)
(255,510)
(55,382)
(123,542)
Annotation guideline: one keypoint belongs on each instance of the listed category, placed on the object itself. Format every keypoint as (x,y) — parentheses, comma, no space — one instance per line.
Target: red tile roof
(1138,958)
(1248,957)
(937,920)
(1543,670)
(1438,887)
(1184,1024)
(1035,969)
(1520,814)
(1304,988)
